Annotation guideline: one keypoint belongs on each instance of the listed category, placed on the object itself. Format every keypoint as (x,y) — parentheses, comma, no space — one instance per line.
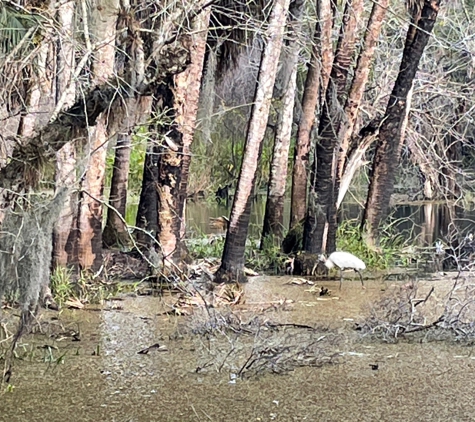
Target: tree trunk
(169,180)
(187,95)
(274,212)
(388,149)
(353,162)
(159,199)
(89,222)
(298,201)
(103,21)
(325,17)
(232,263)
(320,223)
(164,187)
(147,213)
(65,174)
(115,232)
(359,82)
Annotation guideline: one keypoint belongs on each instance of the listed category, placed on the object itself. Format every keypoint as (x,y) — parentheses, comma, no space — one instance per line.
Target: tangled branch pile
(257,346)
(443,309)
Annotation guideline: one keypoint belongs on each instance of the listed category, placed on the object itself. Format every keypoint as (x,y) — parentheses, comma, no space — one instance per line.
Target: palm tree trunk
(147,213)
(298,201)
(162,202)
(232,263)
(103,29)
(187,95)
(388,149)
(320,224)
(359,82)
(115,232)
(274,213)
(65,174)
(325,16)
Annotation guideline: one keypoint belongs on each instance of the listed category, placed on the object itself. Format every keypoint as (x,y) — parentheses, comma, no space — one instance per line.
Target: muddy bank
(103,378)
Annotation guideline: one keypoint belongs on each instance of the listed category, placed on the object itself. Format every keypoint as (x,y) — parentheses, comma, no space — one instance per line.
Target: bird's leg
(341,277)
(361,278)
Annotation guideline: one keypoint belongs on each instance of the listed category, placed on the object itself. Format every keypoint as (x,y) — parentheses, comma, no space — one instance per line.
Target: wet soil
(103,378)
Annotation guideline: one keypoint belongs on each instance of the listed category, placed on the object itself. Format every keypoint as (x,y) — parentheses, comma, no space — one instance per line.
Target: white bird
(344,261)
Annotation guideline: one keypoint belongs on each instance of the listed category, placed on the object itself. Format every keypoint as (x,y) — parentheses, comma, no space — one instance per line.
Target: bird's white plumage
(344,260)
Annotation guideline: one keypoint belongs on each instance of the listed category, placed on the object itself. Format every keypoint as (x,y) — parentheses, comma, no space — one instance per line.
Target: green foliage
(349,239)
(65,286)
(206,247)
(269,259)
(137,160)
(14,25)
(9,388)
(61,284)
(217,161)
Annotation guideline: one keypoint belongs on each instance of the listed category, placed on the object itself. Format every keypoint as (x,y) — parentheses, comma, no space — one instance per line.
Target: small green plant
(349,239)
(269,259)
(206,247)
(83,288)
(9,388)
(61,284)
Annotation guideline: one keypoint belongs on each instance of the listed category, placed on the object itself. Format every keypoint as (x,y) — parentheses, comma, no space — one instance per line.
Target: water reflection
(424,223)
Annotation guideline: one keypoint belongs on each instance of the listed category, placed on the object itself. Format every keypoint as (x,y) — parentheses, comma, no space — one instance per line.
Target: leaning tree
(232,263)
(390,139)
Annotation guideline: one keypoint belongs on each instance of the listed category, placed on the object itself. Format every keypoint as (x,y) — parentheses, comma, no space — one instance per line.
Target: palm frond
(14,25)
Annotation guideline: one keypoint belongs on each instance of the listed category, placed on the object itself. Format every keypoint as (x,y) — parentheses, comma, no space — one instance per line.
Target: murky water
(423,223)
(103,378)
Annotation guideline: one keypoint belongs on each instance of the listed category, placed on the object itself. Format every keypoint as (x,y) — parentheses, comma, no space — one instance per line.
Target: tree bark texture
(103,24)
(169,180)
(147,213)
(388,149)
(298,200)
(274,212)
(360,79)
(320,223)
(115,231)
(325,15)
(187,95)
(65,174)
(232,263)
(90,195)
(159,200)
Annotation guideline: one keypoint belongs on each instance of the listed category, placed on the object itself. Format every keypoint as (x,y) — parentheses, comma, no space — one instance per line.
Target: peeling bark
(388,149)
(187,94)
(274,212)
(320,222)
(65,174)
(360,79)
(169,179)
(232,263)
(298,202)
